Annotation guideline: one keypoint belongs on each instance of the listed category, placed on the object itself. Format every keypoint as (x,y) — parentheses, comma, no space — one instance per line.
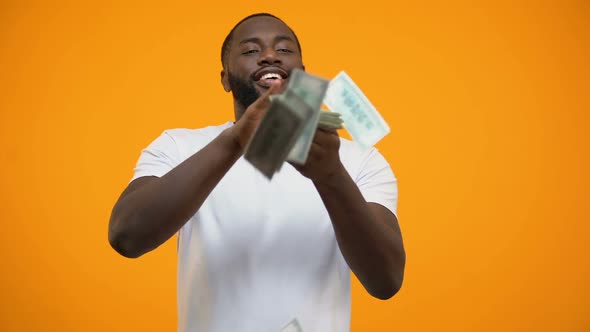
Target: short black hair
(225,47)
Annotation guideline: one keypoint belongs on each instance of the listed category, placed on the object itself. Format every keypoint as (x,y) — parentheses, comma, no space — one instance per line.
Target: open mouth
(265,76)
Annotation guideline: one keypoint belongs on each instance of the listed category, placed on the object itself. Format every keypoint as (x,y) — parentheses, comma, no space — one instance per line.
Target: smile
(266,75)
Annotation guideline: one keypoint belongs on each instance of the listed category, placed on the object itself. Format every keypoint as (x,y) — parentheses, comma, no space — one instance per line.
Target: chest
(251,214)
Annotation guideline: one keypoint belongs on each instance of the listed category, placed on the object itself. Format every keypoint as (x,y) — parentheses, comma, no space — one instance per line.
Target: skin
(152,209)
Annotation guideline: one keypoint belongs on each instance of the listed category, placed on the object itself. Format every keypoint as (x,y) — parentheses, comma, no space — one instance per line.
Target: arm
(152,209)
(368,234)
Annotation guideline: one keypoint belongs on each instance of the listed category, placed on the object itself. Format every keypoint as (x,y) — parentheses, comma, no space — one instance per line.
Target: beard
(243,91)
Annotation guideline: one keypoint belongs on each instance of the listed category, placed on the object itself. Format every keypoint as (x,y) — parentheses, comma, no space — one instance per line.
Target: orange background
(488,105)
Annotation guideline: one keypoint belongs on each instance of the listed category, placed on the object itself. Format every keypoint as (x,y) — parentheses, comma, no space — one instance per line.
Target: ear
(225,81)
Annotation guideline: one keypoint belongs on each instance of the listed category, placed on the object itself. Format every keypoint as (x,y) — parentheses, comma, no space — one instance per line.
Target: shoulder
(181,135)
(357,159)
(352,154)
(180,143)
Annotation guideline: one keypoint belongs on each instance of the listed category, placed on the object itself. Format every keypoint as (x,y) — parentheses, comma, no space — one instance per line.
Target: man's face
(262,49)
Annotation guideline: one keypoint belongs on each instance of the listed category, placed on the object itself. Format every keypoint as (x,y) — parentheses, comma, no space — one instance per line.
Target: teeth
(270,76)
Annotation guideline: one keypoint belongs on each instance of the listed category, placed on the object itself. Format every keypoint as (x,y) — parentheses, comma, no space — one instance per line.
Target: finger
(326,138)
(299,168)
(316,152)
(295,165)
(264,100)
(328,131)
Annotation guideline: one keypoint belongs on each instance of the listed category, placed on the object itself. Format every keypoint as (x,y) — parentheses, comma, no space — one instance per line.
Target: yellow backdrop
(488,105)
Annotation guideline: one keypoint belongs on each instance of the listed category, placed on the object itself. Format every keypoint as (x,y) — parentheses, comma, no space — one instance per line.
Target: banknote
(288,128)
(274,137)
(330,120)
(310,90)
(361,118)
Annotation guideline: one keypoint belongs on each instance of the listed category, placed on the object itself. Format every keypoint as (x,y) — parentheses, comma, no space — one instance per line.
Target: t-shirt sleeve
(377,182)
(158,158)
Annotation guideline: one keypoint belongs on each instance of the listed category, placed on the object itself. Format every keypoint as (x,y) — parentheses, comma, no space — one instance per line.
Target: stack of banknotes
(286,132)
(330,120)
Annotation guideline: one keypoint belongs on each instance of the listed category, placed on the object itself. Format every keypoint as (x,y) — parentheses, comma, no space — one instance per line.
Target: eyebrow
(259,41)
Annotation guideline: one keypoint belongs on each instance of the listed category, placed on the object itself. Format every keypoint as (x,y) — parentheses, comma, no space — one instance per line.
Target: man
(253,254)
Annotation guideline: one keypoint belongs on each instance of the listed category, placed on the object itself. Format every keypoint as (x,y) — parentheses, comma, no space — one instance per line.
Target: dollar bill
(330,120)
(274,137)
(300,150)
(310,90)
(287,130)
(361,118)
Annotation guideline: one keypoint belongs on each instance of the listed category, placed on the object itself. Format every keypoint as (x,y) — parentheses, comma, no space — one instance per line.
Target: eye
(253,51)
(284,50)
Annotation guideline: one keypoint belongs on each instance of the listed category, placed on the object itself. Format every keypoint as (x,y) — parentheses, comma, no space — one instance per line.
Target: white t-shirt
(259,254)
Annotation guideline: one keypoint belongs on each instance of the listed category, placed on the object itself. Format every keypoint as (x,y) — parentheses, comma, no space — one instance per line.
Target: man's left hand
(323,162)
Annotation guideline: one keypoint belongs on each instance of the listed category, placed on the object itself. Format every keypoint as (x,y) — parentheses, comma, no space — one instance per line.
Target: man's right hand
(152,209)
(245,127)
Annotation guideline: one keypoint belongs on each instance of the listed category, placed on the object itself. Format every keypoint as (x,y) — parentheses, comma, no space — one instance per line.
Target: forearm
(146,217)
(368,239)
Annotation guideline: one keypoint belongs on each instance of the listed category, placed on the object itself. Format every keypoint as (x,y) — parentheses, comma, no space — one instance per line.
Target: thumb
(264,100)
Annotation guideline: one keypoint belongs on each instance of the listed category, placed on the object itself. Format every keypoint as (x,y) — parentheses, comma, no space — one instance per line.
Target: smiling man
(253,254)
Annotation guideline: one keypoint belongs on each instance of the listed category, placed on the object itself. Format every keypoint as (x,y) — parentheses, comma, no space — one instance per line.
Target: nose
(268,56)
